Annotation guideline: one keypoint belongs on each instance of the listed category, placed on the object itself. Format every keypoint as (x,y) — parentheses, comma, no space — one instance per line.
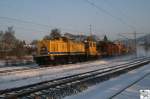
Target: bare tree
(9,37)
(1,34)
(55,33)
(47,37)
(1,43)
(11,46)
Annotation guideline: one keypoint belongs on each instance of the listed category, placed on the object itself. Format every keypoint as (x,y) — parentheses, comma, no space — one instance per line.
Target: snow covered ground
(112,59)
(107,89)
(12,67)
(21,78)
(134,91)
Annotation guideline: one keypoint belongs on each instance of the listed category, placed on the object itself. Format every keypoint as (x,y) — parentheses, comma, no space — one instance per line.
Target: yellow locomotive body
(63,50)
(91,48)
(75,47)
(52,47)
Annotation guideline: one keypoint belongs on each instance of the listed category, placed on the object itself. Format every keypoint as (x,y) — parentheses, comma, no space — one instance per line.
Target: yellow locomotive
(64,50)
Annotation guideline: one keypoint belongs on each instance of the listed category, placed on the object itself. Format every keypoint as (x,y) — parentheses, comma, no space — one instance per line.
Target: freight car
(111,49)
(64,50)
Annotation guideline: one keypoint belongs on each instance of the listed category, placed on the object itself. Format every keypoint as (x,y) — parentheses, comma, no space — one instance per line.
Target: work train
(64,50)
(111,49)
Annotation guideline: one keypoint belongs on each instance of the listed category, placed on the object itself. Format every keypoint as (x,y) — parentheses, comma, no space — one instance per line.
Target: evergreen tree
(105,39)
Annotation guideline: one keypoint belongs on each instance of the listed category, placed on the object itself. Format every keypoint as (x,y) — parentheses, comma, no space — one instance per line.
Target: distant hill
(144,40)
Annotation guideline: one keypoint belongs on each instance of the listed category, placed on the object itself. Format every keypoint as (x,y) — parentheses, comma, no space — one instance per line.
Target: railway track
(7,72)
(73,79)
(136,81)
(38,72)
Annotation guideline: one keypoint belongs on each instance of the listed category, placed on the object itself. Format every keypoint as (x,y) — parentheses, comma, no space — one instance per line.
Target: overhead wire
(34,23)
(108,13)
(88,1)
(24,21)
(118,10)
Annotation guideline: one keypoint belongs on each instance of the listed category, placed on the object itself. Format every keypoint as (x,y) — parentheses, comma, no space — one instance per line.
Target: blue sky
(74,16)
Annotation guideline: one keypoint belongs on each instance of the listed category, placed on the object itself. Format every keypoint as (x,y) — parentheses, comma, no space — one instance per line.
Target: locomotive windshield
(43,50)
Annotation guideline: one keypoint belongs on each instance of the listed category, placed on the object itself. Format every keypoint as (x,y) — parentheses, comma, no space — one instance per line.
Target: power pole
(135,42)
(90,29)
(127,39)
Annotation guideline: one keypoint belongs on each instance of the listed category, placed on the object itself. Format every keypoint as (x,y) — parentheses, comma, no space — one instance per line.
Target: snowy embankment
(5,68)
(18,79)
(134,91)
(22,78)
(107,89)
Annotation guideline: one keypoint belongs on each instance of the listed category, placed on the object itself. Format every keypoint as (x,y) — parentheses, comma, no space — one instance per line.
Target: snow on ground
(10,68)
(134,91)
(3,68)
(109,88)
(112,59)
(18,79)
(30,77)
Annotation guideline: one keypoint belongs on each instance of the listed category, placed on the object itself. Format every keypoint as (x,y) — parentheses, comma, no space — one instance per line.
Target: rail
(73,79)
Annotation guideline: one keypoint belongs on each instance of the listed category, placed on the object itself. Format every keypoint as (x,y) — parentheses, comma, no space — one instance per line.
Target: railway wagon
(64,50)
(106,48)
(116,49)
(110,49)
(122,49)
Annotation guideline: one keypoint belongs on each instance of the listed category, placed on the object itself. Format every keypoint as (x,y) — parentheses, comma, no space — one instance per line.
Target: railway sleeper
(104,76)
